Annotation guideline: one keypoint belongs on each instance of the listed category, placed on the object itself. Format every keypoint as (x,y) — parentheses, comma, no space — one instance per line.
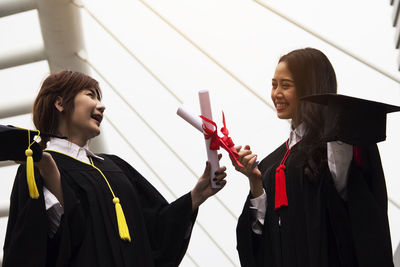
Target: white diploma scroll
(188,116)
(212,155)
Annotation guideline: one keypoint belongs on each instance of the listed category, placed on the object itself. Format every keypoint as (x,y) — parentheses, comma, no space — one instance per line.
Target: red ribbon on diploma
(216,142)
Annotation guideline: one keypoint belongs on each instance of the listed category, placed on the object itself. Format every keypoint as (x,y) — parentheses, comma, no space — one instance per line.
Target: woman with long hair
(92,209)
(301,210)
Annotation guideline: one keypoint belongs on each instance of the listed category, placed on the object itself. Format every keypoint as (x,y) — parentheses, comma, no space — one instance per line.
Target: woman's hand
(248,159)
(203,190)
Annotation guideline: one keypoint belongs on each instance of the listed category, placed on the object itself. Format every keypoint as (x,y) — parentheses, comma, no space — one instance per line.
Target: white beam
(7,163)
(15,108)
(4,207)
(395,12)
(396,256)
(21,57)
(10,7)
(60,22)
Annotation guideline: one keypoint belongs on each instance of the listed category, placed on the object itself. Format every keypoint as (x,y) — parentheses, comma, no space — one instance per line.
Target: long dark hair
(66,84)
(313,74)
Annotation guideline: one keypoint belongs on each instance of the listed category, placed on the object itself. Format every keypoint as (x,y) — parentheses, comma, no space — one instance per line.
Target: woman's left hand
(203,190)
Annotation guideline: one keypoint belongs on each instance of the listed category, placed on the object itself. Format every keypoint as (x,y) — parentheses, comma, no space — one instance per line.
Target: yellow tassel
(122,226)
(30,175)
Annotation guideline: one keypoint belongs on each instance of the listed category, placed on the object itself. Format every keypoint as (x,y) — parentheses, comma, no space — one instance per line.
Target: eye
(274,85)
(285,86)
(91,94)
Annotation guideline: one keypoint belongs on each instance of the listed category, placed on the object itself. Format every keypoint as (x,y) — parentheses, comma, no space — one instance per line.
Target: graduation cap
(15,141)
(353,120)
(19,144)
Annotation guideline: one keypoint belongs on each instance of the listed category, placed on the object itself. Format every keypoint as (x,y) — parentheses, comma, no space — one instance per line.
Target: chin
(95,132)
(284,116)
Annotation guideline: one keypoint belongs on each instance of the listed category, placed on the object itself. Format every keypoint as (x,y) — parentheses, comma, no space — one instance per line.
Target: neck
(78,141)
(71,136)
(295,124)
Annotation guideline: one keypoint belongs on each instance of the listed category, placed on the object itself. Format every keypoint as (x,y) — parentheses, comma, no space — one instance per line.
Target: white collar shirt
(71,149)
(296,135)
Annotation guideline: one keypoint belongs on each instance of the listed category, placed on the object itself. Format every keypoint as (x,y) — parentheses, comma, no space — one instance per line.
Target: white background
(247,40)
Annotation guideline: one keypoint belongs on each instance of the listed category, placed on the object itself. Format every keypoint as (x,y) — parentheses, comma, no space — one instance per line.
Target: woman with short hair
(92,209)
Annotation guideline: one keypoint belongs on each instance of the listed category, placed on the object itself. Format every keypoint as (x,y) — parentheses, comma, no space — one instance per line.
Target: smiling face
(283,93)
(86,116)
(85,119)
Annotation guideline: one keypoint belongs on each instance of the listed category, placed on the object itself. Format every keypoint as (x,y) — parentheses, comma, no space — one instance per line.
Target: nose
(100,106)
(277,92)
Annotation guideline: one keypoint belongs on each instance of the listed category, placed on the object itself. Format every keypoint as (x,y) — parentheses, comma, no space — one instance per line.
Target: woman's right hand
(248,159)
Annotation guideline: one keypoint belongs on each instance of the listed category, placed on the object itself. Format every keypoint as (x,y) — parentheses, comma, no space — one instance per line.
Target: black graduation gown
(319,228)
(88,233)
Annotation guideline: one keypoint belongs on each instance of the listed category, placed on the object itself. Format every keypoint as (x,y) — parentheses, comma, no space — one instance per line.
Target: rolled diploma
(212,155)
(195,121)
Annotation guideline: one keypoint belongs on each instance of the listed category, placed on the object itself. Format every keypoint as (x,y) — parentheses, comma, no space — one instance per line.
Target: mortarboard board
(353,120)
(19,144)
(14,141)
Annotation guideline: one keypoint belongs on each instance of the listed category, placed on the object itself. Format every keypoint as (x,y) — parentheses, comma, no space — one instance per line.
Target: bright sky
(246,39)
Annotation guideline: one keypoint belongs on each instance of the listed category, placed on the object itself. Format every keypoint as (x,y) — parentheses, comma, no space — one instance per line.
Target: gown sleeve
(249,244)
(27,242)
(367,204)
(169,225)
(26,234)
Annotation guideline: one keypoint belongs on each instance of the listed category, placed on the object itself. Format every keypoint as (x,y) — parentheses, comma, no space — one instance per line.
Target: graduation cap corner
(353,120)
(19,144)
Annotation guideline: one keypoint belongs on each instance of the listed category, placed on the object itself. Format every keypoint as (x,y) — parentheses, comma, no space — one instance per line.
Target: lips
(280,106)
(97,117)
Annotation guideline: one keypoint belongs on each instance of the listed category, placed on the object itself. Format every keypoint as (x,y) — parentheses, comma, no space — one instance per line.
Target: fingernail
(215,179)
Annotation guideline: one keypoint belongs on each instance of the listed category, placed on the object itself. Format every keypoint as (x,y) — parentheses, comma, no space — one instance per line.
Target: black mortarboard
(19,144)
(14,141)
(353,120)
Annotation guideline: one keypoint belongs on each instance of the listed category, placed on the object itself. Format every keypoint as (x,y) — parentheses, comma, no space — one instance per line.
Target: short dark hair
(65,84)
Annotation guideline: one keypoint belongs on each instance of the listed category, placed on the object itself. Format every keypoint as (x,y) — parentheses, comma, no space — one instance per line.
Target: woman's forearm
(51,176)
(256,187)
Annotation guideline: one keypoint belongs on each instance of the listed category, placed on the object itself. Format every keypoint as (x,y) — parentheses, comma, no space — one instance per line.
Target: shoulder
(269,160)
(123,164)
(144,188)
(112,157)
(20,176)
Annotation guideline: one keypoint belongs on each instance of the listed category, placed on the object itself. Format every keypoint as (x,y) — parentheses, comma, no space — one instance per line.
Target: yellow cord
(122,225)
(30,172)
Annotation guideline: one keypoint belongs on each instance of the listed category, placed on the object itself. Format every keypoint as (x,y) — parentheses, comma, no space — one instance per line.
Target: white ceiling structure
(152,56)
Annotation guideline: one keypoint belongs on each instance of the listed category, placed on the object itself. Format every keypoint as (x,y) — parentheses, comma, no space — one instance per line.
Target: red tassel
(357,156)
(280,187)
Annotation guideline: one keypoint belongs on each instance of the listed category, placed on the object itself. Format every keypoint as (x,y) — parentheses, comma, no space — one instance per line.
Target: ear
(59,104)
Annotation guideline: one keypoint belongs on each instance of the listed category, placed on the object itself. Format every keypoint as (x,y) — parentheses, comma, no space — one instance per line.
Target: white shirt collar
(296,135)
(66,147)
